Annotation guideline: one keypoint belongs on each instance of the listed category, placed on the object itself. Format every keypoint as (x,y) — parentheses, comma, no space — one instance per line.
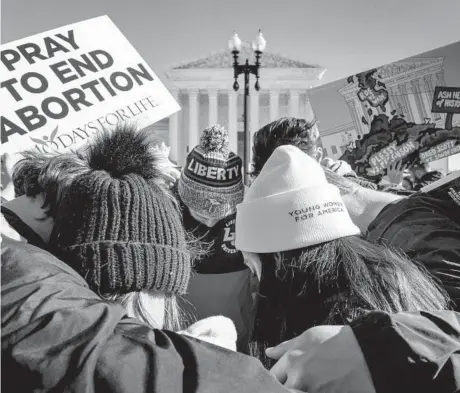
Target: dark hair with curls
(284,131)
(47,174)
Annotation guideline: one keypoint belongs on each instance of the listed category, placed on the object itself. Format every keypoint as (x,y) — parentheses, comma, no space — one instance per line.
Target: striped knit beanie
(211,182)
(116,226)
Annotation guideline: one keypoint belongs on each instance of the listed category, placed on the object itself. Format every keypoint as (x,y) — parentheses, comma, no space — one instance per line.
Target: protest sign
(447,188)
(402,111)
(61,87)
(444,149)
(446,100)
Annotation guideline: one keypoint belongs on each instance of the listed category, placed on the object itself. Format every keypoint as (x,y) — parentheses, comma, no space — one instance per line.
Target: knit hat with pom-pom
(116,226)
(211,182)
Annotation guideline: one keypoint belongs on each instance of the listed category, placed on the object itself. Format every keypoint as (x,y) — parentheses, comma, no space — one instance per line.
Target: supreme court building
(204,90)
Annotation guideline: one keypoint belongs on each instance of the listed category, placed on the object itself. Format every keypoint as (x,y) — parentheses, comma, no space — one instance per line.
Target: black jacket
(58,335)
(427,229)
(411,352)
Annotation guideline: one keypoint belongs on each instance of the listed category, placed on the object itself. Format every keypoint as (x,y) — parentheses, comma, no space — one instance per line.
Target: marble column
(294,101)
(392,101)
(426,95)
(254,117)
(193,103)
(397,100)
(213,106)
(361,112)
(418,99)
(429,91)
(232,120)
(309,114)
(416,115)
(440,78)
(405,105)
(274,104)
(428,79)
(174,130)
(355,117)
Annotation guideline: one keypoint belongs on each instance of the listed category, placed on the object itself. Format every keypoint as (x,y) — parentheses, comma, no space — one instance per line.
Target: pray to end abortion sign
(61,87)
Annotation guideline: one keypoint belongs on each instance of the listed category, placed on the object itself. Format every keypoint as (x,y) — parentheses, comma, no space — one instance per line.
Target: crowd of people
(122,272)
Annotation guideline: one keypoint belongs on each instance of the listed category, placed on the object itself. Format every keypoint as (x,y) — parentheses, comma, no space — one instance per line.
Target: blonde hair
(144,305)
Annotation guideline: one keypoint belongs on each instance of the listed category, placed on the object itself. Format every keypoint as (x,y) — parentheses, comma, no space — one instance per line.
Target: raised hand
(395,172)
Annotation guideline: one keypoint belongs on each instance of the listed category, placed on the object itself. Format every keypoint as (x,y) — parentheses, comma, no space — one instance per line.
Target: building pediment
(399,71)
(410,65)
(224,59)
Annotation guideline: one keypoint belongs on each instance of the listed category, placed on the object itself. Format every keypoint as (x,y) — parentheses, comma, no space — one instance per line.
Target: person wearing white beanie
(316,213)
(314,265)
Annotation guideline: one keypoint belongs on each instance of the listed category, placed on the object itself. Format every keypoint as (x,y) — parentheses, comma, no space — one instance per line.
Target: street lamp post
(235,46)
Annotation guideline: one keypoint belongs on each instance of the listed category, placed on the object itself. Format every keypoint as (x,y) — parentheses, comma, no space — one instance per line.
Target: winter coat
(411,352)
(427,229)
(58,335)
(221,283)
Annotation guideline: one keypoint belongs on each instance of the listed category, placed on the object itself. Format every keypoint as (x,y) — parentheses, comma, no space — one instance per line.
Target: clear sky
(345,36)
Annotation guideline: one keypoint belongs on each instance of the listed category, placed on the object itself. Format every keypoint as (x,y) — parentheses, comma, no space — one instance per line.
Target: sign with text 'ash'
(446,100)
(60,87)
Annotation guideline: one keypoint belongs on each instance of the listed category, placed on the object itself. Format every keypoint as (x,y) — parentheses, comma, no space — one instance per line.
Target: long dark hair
(334,283)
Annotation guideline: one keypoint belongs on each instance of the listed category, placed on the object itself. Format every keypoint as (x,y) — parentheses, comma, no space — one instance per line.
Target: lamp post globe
(234,44)
(246,69)
(260,43)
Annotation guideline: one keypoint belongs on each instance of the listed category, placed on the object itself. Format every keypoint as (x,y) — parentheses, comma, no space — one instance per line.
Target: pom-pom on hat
(290,205)
(116,226)
(211,182)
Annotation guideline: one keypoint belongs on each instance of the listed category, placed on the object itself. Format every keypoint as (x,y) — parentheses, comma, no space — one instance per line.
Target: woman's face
(208,221)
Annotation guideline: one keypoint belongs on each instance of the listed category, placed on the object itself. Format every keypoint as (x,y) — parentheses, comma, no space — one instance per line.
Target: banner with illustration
(405,111)
(60,87)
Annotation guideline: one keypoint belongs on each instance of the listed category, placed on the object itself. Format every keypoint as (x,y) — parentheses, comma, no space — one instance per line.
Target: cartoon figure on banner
(393,139)
(352,145)
(347,139)
(372,90)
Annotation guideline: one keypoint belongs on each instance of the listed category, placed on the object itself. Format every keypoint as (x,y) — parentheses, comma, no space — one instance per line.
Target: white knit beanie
(290,205)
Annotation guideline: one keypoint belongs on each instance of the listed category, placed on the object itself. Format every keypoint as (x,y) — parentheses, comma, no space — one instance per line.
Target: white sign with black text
(60,87)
